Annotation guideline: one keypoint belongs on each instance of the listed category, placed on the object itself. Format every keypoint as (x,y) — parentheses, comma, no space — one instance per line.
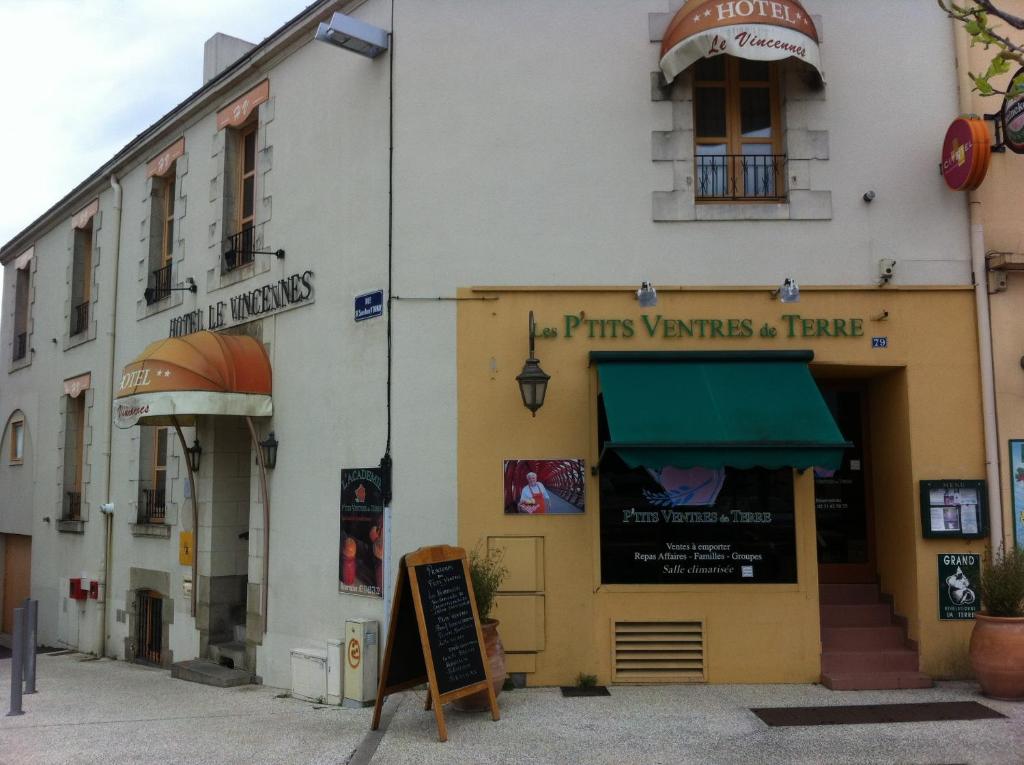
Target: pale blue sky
(81,78)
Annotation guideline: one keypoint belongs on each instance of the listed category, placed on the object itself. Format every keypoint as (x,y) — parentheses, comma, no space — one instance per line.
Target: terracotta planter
(997,656)
(495,651)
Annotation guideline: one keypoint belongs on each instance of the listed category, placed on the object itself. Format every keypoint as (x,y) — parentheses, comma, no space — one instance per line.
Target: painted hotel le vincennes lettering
(656,325)
(290,292)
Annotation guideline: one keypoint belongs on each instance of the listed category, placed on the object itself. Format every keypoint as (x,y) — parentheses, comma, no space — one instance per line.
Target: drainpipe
(980,276)
(108,507)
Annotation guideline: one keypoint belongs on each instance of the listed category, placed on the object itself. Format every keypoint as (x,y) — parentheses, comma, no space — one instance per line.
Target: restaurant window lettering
(696,525)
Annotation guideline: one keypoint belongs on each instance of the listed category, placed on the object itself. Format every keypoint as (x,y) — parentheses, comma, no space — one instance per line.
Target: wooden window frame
(81,252)
(733,138)
(156,468)
(167,229)
(17,426)
(241,219)
(74,416)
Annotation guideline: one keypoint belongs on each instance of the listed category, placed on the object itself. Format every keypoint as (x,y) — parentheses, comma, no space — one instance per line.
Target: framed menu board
(434,635)
(954,508)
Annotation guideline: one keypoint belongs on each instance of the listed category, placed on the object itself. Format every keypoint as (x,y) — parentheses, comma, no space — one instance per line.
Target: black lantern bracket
(150,293)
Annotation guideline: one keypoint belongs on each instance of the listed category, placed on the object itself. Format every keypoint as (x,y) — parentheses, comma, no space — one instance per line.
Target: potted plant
(487,572)
(997,642)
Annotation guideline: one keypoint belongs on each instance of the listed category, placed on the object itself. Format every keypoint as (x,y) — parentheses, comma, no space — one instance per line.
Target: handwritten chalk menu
(434,635)
(451,626)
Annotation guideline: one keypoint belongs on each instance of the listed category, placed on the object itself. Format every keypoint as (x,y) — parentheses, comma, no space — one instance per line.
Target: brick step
(848,593)
(875,681)
(868,615)
(868,662)
(861,638)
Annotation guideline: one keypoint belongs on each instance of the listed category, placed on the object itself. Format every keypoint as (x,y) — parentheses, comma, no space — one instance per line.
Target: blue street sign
(370,305)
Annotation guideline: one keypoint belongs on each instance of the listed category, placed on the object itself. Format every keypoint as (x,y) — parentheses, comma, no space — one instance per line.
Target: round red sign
(965,154)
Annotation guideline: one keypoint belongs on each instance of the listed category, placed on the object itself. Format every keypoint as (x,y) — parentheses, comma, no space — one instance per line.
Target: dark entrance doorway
(150,628)
(843,501)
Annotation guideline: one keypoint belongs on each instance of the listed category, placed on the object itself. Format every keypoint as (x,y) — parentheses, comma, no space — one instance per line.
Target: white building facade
(530,148)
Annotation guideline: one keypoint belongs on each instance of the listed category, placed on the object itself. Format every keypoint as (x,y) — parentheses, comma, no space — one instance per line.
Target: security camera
(886,270)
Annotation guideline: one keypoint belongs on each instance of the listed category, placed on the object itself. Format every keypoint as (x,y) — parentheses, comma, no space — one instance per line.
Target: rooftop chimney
(220,52)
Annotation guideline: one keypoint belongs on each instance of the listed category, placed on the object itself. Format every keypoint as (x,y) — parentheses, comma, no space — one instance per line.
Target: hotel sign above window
(283,295)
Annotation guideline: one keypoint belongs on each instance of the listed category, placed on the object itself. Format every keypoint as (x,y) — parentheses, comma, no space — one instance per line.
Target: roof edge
(281,38)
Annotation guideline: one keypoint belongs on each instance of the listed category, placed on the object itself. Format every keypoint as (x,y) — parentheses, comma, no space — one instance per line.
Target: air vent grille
(658,652)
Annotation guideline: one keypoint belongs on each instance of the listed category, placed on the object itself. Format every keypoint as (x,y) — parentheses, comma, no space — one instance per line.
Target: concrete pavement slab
(668,725)
(112,712)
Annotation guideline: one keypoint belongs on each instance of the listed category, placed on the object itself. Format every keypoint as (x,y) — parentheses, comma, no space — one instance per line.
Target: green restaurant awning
(710,409)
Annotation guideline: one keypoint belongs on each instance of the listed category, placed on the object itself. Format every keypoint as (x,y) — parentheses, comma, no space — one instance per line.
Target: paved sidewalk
(111,712)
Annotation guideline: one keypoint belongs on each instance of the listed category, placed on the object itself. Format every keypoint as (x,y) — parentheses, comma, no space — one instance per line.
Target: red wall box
(76,591)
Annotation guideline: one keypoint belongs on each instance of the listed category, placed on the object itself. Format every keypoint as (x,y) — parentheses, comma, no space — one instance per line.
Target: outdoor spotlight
(269,448)
(788,291)
(354,35)
(647,295)
(194,453)
(533,381)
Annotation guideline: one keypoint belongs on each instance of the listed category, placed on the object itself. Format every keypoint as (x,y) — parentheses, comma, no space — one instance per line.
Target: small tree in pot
(487,572)
(997,642)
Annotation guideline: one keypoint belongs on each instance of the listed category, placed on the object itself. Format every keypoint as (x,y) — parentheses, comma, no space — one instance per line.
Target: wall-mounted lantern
(269,448)
(194,453)
(533,381)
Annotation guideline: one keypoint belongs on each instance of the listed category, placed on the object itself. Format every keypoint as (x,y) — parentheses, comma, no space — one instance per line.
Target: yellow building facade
(559,614)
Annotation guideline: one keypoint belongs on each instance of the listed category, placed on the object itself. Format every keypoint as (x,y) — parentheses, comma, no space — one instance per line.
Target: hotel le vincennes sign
(788,325)
(269,299)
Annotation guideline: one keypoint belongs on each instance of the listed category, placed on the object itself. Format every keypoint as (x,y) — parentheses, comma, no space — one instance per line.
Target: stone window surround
(70,526)
(152,188)
(802,146)
(72,341)
(7,441)
(215,279)
(155,530)
(26,360)
(141,580)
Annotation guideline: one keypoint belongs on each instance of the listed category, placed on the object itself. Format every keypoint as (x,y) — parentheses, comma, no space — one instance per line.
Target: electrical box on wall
(78,588)
(361,639)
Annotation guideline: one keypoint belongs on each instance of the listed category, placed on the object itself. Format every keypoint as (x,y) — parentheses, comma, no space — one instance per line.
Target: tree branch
(1014,21)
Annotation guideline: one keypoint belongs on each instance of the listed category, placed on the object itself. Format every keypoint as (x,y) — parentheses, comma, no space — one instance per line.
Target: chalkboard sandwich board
(434,636)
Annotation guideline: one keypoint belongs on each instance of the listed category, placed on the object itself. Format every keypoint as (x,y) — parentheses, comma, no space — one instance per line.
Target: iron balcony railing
(80,318)
(239,249)
(20,345)
(159,285)
(72,506)
(152,506)
(740,176)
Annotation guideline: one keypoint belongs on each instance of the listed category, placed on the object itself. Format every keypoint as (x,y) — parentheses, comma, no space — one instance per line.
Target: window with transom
(737,131)
(81,279)
(74,453)
(161,236)
(153,448)
(242,156)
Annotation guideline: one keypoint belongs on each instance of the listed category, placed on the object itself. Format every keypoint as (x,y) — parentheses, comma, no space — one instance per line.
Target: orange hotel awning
(199,374)
(757,30)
